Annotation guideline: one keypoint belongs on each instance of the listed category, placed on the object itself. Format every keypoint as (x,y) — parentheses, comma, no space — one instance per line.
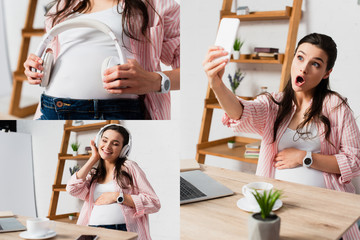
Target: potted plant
(74,169)
(265,225)
(235,82)
(231,144)
(71,217)
(75,147)
(237,46)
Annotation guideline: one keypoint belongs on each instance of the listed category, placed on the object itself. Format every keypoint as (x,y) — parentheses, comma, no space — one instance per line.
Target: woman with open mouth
(116,192)
(309,134)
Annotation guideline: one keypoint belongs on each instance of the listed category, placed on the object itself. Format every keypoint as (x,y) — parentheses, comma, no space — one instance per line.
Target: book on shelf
(252,153)
(266,50)
(254,145)
(265,56)
(262,54)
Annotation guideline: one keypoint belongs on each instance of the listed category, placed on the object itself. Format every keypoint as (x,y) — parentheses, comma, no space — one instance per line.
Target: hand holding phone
(87,237)
(226,34)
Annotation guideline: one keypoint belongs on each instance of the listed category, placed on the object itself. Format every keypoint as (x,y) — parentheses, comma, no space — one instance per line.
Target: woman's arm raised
(214,67)
(84,171)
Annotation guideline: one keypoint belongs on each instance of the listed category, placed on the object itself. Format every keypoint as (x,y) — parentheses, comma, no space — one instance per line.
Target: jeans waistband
(55,107)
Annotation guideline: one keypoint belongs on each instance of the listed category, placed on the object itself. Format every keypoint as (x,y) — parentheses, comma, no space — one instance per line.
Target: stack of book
(252,150)
(265,53)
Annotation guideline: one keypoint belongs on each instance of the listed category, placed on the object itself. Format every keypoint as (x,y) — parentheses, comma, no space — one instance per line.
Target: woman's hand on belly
(131,78)
(107,198)
(289,158)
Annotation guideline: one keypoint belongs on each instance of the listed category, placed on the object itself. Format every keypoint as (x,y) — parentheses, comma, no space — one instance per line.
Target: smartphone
(87,237)
(226,34)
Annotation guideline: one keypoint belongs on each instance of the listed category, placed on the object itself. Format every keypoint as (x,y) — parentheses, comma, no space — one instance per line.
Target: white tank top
(301,174)
(77,71)
(106,214)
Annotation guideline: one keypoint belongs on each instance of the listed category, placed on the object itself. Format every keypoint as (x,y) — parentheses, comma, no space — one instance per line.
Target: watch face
(307,161)
(167,85)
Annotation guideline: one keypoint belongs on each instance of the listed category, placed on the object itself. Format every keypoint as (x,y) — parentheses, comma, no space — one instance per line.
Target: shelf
(32,32)
(247,58)
(72,157)
(59,188)
(86,127)
(261,16)
(213,102)
(219,148)
(65,217)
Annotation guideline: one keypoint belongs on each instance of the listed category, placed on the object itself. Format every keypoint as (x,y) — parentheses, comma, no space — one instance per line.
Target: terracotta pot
(263,229)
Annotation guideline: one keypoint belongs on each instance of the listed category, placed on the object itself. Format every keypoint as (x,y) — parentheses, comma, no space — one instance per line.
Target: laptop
(197,186)
(10,224)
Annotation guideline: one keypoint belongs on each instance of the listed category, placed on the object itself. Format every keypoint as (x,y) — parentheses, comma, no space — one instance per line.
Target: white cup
(249,189)
(38,227)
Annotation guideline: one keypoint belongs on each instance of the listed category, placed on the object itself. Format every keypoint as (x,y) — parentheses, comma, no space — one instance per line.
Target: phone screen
(226,34)
(87,237)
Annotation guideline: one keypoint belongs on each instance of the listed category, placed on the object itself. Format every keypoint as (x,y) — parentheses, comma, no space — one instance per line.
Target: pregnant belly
(302,175)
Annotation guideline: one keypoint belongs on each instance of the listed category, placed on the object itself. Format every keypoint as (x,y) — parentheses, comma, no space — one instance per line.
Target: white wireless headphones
(48,58)
(125,151)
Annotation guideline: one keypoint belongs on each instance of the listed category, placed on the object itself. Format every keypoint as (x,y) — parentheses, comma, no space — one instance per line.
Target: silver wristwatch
(165,83)
(307,161)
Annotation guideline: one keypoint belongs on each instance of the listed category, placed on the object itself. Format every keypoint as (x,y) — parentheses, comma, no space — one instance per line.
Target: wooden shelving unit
(219,147)
(247,58)
(63,156)
(18,75)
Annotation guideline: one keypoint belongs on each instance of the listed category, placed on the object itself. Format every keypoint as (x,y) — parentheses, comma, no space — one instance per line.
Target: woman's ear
(327,74)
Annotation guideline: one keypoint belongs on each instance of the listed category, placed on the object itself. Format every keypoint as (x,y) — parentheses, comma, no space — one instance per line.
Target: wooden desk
(73,231)
(307,212)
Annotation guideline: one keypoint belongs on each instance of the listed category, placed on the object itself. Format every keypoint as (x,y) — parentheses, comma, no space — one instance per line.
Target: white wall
(155,149)
(199,20)
(15,18)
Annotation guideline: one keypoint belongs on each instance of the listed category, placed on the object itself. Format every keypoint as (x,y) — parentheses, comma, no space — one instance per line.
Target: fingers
(123,86)
(214,54)
(33,62)
(131,64)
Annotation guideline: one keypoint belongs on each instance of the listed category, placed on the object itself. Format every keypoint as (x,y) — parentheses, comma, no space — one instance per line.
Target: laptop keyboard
(189,191)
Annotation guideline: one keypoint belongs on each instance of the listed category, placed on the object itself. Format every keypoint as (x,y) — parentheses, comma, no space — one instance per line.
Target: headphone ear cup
(108,63)
(97,138)
(124,151)
(48,62)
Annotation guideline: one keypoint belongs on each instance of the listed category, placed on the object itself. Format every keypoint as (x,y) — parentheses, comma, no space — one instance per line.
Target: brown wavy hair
(322,90)
(123,178)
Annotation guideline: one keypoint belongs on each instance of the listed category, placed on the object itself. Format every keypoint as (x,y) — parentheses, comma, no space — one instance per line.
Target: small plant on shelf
(231,144)
(237,46)
(74,169)
(75,147)
(235,81)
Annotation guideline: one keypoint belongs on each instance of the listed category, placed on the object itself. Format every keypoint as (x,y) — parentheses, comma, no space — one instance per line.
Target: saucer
(243,204)
(26,235)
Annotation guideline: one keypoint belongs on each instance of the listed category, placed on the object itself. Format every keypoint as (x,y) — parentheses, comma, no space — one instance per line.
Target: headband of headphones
(78,23)
(125,151)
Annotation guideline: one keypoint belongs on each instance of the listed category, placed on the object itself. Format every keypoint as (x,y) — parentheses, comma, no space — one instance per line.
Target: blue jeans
(121,227)
(53,108)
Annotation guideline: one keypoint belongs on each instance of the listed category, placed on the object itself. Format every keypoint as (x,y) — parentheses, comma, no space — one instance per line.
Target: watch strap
(165,83)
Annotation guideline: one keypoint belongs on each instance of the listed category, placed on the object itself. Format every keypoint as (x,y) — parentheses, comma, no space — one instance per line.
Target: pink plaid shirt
(164,30)
(143,195)
(259,117)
